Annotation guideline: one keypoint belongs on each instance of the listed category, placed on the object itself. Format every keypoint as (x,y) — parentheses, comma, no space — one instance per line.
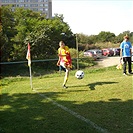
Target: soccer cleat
(64,86)
(130,73)
(124,74)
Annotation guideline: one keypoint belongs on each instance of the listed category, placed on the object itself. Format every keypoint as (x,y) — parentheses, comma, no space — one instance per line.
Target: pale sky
(90,17)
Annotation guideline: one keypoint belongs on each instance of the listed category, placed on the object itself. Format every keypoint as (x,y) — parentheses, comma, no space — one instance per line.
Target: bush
(83,61)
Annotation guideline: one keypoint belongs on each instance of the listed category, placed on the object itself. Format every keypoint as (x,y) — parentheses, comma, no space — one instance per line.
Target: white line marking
(75,114)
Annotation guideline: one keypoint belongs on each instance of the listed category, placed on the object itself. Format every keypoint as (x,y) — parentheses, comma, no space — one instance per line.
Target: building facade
(43,6)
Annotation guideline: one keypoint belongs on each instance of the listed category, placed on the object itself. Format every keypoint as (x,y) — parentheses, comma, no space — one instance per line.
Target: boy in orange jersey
(64,61)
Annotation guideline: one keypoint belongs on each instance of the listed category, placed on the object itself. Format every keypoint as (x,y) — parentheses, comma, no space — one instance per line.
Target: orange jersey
(65,57)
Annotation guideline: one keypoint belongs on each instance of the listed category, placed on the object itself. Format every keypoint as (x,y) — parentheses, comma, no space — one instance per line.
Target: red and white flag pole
(28,57)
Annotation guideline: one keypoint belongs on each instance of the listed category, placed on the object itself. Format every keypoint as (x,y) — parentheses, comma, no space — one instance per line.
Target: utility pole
(77,52)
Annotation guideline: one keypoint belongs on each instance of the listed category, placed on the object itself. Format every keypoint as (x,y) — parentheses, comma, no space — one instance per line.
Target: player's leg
(124,65)
(63,68)
(66,77)
(66,68)
(129,65)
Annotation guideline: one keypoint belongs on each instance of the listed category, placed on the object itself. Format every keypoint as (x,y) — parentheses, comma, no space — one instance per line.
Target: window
(33,1)
(41,5)
(21,0)
(26,5)
(41,9)
(33,5)
(40,0)
(46,4)
(21,5)
(34,9)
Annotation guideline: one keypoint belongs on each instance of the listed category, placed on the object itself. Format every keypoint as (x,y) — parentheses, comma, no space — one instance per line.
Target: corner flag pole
(30,78)
(28,57)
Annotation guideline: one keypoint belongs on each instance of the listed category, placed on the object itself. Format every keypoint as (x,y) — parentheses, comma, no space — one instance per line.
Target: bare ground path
(108,61)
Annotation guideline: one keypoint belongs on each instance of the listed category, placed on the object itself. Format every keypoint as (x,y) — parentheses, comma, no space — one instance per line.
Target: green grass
(104,97)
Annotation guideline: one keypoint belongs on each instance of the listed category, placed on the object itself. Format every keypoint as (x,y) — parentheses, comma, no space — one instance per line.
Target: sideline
(74,113)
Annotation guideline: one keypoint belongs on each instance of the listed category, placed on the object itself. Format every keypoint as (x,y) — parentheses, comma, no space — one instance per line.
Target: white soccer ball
(79,74)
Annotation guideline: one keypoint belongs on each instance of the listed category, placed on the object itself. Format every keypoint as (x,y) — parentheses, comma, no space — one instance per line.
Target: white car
(90,54)
(97,52)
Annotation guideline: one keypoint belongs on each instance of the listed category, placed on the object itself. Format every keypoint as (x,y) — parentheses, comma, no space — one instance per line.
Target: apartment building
(44,6)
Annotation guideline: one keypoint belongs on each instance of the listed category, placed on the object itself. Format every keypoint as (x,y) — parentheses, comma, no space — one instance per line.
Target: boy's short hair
(126,37)
(61,42)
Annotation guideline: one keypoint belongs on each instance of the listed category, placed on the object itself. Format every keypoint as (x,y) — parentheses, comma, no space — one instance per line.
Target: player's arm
(62,55)
(131,51)
(58,62)
(121,52)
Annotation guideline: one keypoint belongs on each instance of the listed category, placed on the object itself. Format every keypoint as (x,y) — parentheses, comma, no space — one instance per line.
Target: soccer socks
(65,80)
(66,77)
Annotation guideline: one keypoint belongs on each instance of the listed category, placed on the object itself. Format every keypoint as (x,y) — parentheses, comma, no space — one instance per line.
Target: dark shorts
(62,68)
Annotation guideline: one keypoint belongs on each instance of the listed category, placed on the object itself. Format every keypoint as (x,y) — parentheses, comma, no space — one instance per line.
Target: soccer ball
(79,74)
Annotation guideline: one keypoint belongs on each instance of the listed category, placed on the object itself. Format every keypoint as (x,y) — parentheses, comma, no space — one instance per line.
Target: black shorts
(62,68)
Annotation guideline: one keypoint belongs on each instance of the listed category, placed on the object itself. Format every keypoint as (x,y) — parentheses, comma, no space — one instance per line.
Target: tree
(105,36)
(46,36)
(23,26)
(119,38)
(131,37)
(6,33)
(82,38)
(25,21)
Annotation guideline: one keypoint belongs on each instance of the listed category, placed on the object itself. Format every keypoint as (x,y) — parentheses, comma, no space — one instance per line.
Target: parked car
(107,52)
(116,51)
(97,52)
(90,54)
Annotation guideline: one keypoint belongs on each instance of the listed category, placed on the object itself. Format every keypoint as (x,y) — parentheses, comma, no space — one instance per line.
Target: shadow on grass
(93,85)
(31,113)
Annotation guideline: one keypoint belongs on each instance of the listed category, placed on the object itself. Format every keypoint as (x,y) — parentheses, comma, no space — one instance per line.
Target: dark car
(116,51)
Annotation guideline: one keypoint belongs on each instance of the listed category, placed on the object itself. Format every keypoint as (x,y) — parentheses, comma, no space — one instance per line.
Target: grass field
(101,102)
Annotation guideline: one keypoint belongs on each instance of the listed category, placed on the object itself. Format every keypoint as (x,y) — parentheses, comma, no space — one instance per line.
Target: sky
(90,17)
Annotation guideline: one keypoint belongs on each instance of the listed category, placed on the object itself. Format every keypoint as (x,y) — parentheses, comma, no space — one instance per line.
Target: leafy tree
(82,38)
(92,39)
(46,36)
(6,33)
(25,22)
(0,21)
(119,38)
(23,26)
(105,36)
(131,37)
